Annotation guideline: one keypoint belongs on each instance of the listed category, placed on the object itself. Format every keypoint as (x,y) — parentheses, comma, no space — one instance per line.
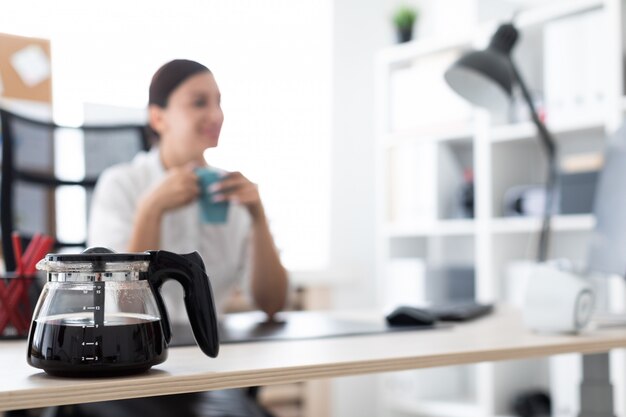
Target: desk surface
(497,337)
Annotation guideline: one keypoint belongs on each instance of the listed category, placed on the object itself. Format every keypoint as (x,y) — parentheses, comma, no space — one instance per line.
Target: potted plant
(403,20)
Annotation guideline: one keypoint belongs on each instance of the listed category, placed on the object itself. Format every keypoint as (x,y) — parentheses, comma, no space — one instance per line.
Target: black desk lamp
(486,78)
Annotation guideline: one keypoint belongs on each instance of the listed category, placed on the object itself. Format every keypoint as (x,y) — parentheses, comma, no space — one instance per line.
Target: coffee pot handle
(189,271)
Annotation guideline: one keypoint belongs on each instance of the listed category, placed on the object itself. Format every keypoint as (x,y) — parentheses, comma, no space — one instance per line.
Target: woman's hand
(236,188)
(178,188)
(268,281)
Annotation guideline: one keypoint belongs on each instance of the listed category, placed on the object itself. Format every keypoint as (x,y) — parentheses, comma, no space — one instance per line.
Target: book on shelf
(411,187)
(582,162)
(574,53)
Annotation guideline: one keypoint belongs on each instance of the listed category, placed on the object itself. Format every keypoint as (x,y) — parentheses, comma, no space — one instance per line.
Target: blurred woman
(153,202)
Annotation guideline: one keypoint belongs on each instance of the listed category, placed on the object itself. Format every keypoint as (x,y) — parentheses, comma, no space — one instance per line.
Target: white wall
(356,38)
(359,30)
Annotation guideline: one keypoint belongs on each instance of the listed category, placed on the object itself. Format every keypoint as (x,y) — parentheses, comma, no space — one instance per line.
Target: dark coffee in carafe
(124,345)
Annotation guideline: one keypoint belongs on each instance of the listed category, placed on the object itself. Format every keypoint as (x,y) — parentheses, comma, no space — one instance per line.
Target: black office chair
(29,181)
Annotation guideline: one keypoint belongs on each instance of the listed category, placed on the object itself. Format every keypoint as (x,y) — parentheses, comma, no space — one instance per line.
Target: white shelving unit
(428,140)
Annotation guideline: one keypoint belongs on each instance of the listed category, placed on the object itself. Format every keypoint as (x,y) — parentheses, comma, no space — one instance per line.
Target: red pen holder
(18,295)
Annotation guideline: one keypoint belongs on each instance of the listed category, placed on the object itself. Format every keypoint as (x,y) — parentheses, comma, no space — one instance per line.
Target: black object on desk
(410,316)
(455,311)
(293,325)
(461,311)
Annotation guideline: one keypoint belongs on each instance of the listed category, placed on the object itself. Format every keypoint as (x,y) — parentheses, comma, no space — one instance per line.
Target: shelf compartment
(560,223)
(521,164)
(419,98)
(528,131)
(556,10)
(456,227)
(435,250)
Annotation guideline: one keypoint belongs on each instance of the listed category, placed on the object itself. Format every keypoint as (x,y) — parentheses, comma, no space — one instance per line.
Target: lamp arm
(549,145)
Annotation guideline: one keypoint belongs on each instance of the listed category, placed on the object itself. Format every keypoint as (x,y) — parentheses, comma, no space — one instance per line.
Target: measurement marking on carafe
(95,358)
(97,308)
(90,343)
(90,325)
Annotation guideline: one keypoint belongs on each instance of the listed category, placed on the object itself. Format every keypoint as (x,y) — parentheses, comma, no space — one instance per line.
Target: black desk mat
(297,325)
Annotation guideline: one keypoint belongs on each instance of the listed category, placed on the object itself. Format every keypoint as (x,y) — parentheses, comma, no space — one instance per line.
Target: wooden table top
(500,336)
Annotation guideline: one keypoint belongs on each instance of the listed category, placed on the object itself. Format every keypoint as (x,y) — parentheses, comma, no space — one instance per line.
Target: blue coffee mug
(210,211)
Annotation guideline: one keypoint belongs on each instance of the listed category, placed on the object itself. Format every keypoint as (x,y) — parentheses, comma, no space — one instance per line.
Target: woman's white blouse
(223,247)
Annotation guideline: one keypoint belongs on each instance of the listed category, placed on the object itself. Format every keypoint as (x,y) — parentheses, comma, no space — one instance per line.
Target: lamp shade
(485,78)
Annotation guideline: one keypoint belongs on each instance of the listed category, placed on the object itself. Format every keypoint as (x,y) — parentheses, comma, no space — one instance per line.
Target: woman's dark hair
(166,79)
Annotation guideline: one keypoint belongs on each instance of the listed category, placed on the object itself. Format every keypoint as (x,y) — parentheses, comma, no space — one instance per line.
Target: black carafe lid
(95,259)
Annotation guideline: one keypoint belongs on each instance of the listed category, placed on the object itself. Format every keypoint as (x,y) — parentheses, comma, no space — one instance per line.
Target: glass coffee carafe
(101,313)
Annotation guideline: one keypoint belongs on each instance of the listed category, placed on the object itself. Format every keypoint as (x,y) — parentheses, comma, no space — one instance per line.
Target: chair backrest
(36,156)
